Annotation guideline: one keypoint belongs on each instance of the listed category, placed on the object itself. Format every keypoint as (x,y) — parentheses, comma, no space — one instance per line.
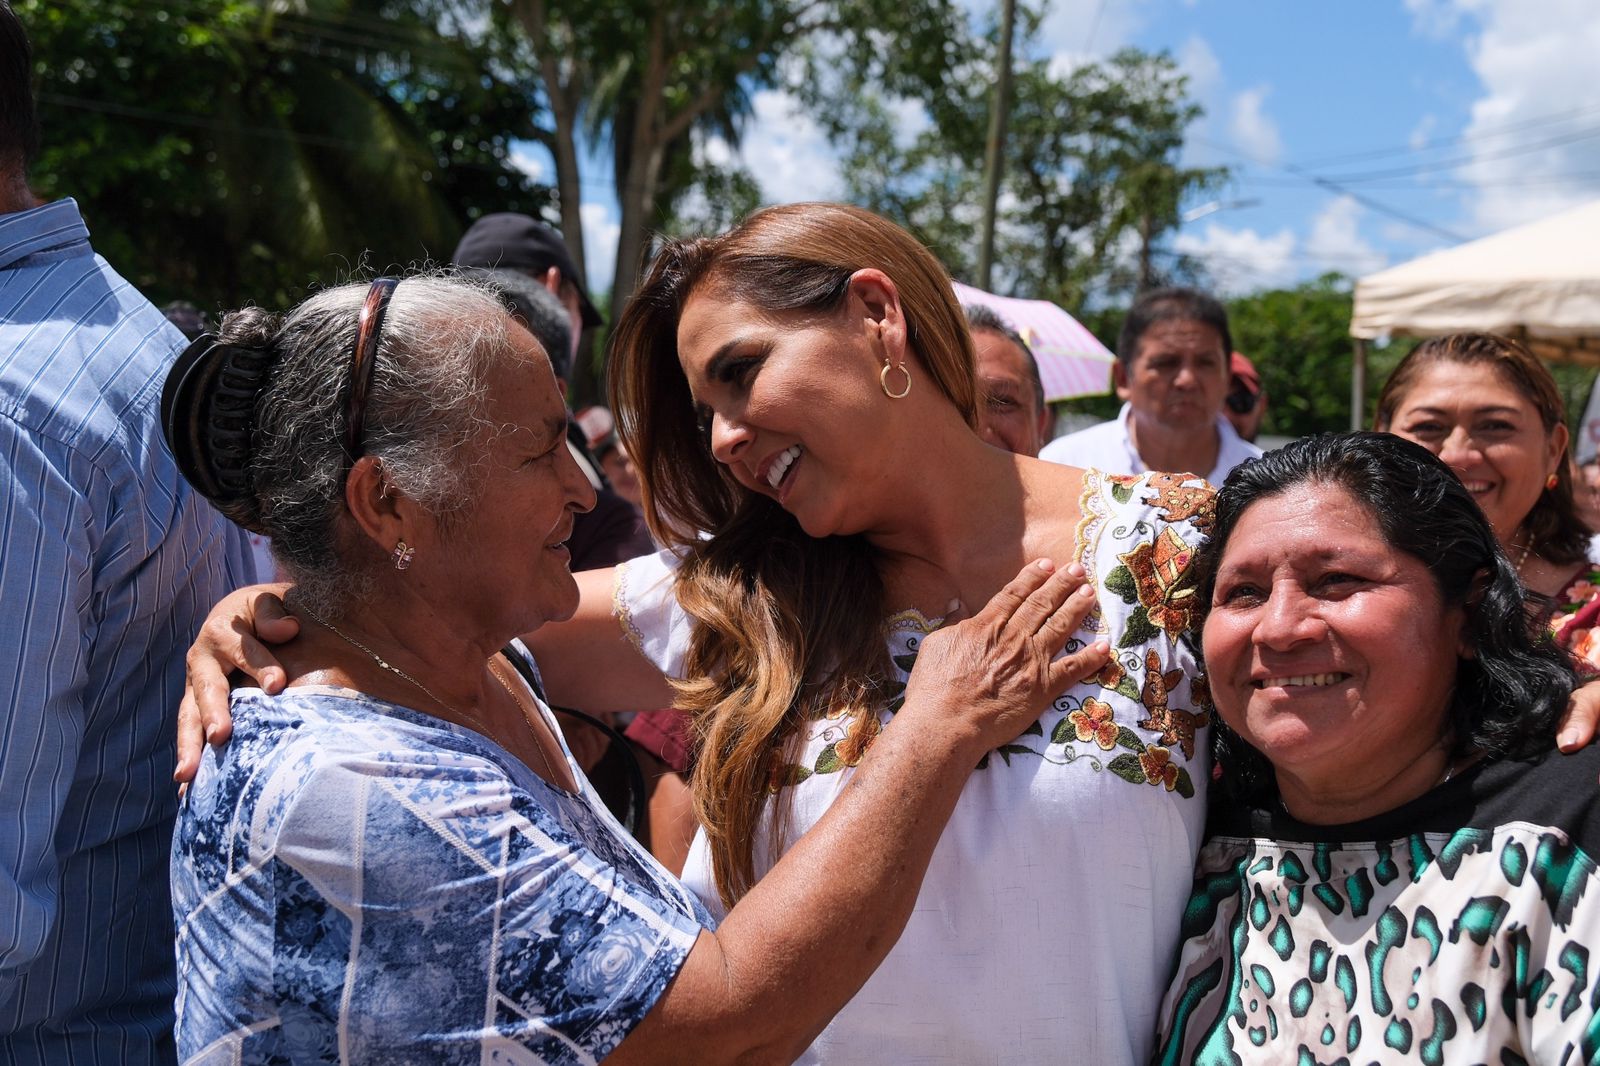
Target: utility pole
(994,152)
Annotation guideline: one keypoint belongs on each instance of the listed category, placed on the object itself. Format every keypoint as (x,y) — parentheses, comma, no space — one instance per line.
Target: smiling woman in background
(1487,407)
(1396,865)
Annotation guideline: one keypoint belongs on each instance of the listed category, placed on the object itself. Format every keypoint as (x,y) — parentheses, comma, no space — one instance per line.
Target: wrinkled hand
(998,670)
(230,639)
(1577,727)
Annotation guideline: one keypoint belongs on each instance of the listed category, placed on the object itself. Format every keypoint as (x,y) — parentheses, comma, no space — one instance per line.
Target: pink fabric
(1072,361)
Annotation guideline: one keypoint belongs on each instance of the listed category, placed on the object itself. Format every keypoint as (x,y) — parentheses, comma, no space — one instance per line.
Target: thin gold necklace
(426,691)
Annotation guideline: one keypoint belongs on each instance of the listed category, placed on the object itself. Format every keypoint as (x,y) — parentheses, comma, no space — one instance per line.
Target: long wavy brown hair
(1553,525)
(786,627)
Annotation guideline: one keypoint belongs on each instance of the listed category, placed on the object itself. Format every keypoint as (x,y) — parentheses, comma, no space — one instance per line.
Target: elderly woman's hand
(999,670)
(234,637)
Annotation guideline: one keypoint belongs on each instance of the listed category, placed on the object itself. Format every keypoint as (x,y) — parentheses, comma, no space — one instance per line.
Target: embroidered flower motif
(863,731)
(1094,721)
(1158,766)
(1111,674)
(1200,692)
(1162,580)
(1175,725)
(1177,501)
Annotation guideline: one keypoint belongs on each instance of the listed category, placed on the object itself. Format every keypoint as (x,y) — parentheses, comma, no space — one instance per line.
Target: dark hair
(538,309)
(1509,693)
(1171,305)
(19,122)
(982,317)
(1553,526)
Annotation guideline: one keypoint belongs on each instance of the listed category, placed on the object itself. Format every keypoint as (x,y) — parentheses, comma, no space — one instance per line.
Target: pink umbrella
(1071,361)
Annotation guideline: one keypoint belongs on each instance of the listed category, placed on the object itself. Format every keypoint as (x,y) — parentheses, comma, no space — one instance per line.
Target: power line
(1465,161)
(1334,186)
(1488,133)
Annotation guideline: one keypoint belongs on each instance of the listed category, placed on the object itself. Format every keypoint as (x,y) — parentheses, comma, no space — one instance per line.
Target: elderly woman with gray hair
(396,858)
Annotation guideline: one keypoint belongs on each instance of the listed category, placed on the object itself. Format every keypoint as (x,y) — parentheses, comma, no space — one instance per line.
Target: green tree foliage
(1299,341)
(654,79)
(1092,176)
(227,151)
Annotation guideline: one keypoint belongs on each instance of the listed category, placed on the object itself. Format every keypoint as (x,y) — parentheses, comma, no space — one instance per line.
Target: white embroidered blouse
(1048,920)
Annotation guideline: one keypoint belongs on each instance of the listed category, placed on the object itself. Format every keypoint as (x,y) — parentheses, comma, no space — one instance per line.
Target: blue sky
(1427,121)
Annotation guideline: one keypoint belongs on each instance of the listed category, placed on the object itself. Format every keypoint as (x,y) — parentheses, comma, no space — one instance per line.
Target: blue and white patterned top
(359,882)
(108,563)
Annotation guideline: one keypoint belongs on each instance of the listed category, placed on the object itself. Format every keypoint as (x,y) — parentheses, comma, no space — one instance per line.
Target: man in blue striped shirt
(108,562)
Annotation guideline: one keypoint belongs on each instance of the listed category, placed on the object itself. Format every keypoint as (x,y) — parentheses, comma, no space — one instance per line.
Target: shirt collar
(54,228)
(1229,445)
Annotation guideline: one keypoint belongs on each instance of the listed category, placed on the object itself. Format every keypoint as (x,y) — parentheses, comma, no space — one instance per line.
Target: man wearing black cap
(508,242)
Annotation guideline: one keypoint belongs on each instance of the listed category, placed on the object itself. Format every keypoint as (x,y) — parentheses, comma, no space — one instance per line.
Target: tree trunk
(638,200)
(564,94)
(636,189)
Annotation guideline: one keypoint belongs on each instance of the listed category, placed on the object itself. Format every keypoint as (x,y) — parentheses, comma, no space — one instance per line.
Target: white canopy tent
(1539,282)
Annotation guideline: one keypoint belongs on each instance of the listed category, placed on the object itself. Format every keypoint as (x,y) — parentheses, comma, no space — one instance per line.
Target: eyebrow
(554,427)
(1492,410)
(725,354)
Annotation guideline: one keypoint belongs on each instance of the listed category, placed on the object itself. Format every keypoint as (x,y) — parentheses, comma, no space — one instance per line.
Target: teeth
(780,465)
(1477,486)
(1300,681)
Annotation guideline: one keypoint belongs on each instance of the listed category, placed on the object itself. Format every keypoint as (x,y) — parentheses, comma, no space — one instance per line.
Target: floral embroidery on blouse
(1575,623)
(1152,576)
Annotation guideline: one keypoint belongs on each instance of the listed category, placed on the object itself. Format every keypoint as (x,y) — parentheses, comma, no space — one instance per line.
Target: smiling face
(1491,435)
(504,561)
(791,404)
(1009,415)
(1328,650)
(1178,376)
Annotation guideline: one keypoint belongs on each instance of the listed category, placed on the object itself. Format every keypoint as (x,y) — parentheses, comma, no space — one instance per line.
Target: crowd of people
(807,703)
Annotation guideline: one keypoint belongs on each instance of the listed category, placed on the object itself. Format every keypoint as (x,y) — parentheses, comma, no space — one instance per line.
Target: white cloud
(1436,18)
(1252,129)
(1421,132)
(1199,62)
(1241,260)
(1075,31)
(601,230)
(910,118)
(532,159)
(1335,241)
(1535,61)
(787,151)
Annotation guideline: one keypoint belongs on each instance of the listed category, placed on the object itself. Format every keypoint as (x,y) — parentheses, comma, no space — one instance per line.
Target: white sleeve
(697,877)
(644,604)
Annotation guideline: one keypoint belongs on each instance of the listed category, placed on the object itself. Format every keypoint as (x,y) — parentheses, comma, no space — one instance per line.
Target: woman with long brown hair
(800,395)
(1486,406)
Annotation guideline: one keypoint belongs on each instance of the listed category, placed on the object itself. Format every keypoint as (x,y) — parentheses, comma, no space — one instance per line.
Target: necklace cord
(631,817)
(479,723)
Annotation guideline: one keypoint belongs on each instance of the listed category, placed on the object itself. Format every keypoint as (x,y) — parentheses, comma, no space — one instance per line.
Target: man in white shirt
(1172,373)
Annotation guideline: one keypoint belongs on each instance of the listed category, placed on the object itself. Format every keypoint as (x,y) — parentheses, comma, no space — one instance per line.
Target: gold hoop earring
(402,555)
(883,379)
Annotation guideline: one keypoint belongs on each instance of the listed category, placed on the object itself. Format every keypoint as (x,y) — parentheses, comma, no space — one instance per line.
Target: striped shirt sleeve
(45,631)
